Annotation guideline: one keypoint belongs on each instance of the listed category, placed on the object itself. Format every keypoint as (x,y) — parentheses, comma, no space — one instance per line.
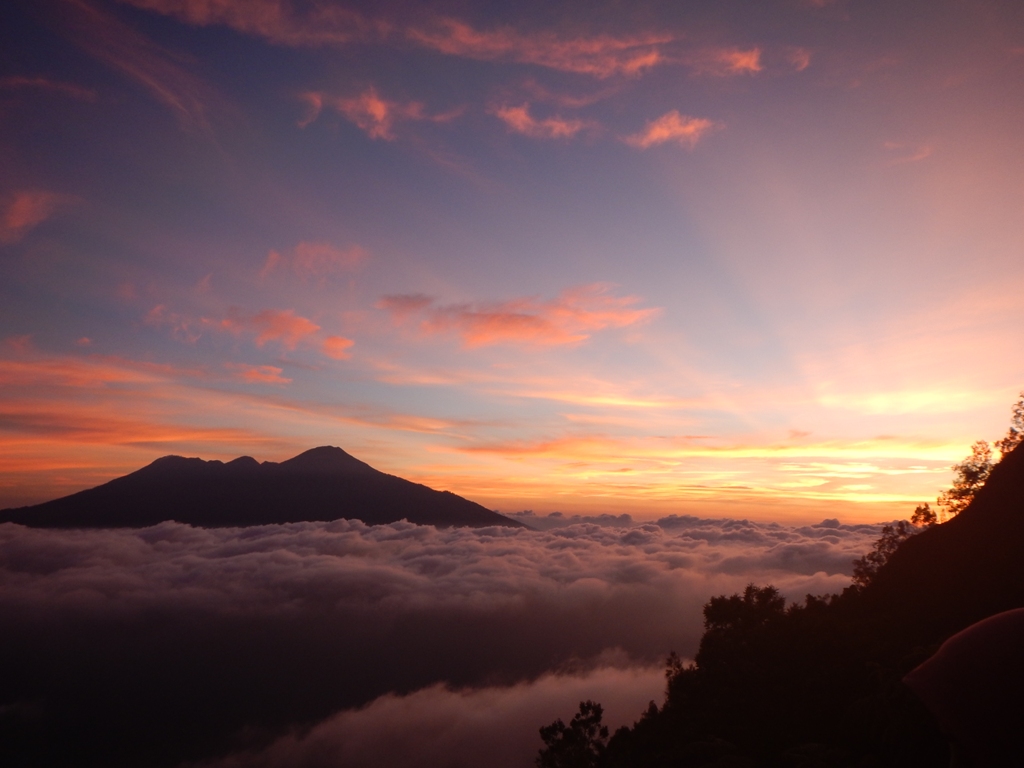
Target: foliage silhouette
(1015,434)
(581,744)
(865,568)
(971,474)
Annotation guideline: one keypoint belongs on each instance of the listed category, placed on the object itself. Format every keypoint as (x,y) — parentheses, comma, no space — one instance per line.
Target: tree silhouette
(581,744)
(865,568)
(1015,434)
(971,474)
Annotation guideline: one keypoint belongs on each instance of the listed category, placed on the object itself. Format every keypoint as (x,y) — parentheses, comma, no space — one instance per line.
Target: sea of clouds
(345,644)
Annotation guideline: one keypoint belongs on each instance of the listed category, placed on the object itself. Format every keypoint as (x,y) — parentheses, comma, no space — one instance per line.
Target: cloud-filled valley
(217,641)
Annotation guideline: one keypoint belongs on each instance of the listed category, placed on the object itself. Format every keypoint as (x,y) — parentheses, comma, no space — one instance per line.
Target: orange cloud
(725,62)
(337,347)
(672,127)
(25,210)
(519,120)
(372,113)
(601,56)
(314,259)
(569,319)
(260,374)
(275,20)
(284,326)
(45,84)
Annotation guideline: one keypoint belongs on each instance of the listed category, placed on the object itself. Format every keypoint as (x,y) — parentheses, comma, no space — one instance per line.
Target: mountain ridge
(320,484)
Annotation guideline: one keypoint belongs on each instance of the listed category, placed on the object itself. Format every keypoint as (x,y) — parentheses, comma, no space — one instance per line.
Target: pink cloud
(800,58)
(182,327)
(258,374)
(568,319)
(316,24)
(19,344)
(672,127)
(25,210)
(337,347)
(519,120)
(725,62)
(908,154)
(375,115)
(309,259)
(600,56)
(282,326)
(570,101)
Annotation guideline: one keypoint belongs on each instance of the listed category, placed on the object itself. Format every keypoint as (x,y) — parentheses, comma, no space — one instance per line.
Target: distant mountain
(321,484)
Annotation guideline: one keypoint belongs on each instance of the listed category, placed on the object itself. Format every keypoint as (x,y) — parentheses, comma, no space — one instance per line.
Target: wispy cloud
(672,127)
(278,21)
(907,153)
(314,259)
(800,58)
(519,120)
(600,56)
(259,374)
(568,319)
(46,84)
(725,62)
(374,114)
(24,210)
(568,100)
(119,46)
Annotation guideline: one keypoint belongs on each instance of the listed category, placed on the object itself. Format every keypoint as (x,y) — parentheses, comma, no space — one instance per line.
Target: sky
(727,259)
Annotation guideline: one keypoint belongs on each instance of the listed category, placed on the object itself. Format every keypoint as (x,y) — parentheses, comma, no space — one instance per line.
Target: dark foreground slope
(957,573)
(819,683)
(321,484)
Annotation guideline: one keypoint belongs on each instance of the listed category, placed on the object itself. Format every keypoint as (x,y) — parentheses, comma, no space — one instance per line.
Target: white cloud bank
(198,635)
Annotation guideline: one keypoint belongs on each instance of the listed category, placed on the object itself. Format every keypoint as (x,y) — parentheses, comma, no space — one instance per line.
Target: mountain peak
(325,459)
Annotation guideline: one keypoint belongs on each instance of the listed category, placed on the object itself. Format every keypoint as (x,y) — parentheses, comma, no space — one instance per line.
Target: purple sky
(744,259)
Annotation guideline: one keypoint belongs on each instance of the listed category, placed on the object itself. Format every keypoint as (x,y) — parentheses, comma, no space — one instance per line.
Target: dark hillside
(957,573)
(819,683)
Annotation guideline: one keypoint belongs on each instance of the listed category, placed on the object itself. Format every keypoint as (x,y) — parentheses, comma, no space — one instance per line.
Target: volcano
(324,483)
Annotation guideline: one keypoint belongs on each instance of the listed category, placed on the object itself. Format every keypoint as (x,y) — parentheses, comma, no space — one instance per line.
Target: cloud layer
(191,638)
(494,726)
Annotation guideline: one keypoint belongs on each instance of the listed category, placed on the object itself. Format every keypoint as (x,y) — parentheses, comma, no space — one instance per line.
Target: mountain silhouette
(320,484)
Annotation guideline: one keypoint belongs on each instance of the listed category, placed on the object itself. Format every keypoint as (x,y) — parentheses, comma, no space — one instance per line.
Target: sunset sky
(737,259)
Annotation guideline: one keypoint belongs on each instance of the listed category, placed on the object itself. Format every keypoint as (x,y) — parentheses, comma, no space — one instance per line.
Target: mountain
(321,484)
